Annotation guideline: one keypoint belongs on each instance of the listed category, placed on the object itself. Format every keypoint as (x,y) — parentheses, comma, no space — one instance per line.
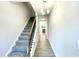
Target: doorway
(43,29)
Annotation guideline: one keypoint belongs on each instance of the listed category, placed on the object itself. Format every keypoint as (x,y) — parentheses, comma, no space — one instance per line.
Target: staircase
(23,45)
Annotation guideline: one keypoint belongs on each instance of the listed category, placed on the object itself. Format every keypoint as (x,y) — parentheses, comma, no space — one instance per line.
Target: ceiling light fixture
(48,11)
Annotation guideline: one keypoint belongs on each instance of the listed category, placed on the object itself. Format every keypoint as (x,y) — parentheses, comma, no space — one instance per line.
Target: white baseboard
(52,47)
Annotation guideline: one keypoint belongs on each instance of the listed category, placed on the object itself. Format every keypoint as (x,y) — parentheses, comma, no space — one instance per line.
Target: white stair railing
(35,40)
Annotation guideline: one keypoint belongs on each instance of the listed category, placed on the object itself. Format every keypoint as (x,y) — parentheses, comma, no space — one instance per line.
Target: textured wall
(64,29)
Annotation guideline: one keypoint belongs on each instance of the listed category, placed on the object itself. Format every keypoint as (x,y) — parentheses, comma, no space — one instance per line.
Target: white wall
(12,18)
(64,29)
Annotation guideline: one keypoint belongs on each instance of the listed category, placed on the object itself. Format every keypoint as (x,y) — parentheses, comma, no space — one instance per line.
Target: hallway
(43,48)
(43,28)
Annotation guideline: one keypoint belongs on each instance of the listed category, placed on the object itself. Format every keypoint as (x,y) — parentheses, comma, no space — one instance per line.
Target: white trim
(10,49)
(52,47)
(34,43)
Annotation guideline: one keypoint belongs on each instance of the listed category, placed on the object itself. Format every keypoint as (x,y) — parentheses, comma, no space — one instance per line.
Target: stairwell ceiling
(38,5)
(41,6)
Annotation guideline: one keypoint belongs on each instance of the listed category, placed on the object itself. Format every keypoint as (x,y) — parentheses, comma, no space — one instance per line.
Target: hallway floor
(43,48)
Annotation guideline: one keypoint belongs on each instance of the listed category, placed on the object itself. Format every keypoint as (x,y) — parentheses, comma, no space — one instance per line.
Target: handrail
(31,34)
(32,28)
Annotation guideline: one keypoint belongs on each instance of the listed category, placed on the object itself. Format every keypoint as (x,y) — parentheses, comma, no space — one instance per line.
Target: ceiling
(40,5)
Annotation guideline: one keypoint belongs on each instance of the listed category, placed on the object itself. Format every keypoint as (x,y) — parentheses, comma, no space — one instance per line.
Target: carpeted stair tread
(17,54)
